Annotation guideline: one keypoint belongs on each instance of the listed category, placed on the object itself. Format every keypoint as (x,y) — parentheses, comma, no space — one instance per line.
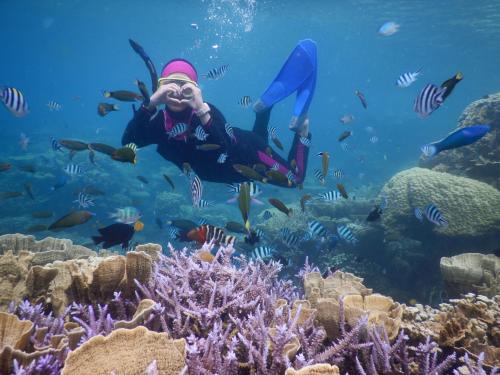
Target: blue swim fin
(297,74)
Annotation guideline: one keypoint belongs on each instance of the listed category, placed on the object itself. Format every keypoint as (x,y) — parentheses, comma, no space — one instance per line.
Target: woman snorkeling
(190,130)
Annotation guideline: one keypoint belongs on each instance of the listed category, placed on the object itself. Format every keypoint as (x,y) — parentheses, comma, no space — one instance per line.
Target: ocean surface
(69,51)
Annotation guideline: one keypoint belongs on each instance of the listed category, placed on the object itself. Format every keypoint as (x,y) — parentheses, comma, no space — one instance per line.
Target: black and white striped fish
(406,79)
(345,233)
(73,169)
(177,130)
(245,101)
(216,73)
(196,190)
(84,200)
(267,215)
(222,158)
(262,253)
(260,233)
(330,196)
(272,132)
(131,146)
(419,214)
(316,229)
(429,99)
(374,139)
(54,106)
(202,221)
(319,176)
(255,189)
(284,232)
(275,166)
(291,176)
(435,216)
(230,131)
(200,133)
(56,146)
(338,174)
(305,141)
(291,240)
(203,203)
(14,101)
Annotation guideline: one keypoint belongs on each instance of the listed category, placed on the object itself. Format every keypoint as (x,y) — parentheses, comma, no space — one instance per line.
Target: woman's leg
(261,123)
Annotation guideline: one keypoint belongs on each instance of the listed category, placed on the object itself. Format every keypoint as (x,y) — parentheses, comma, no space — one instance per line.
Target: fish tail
(97,239)
(106,94)
(247,225)
(429,150)
(115,107)
(459,76)
(290,212)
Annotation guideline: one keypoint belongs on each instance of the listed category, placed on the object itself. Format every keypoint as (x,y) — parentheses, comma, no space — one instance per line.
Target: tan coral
(38,279)
(14,332)
(139,266)
(127,352)
(319,369)
(13,272)
(152,249)
(471,272)
(107,277)
(144,308)
(342,284)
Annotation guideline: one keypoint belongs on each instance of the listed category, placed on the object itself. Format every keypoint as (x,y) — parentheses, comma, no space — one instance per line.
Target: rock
(127,351)
(471,272)
(480,160)
(470,206)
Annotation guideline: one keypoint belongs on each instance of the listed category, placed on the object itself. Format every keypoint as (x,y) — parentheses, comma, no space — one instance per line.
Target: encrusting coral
(236,317)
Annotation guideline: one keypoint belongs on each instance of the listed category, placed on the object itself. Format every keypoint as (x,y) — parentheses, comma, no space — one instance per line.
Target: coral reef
(480,160)
(470,206)
(471,272)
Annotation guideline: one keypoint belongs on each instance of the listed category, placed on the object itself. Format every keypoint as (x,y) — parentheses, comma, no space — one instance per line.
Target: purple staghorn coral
(45,365)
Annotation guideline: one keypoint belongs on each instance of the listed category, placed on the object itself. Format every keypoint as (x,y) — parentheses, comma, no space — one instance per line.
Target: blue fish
(458,138)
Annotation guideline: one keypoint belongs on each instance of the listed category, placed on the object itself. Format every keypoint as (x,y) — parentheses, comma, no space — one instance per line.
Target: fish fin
(106,94)
(115,107)
(97,239)
(256,201)
(429,150)
(459,76)
(247,225)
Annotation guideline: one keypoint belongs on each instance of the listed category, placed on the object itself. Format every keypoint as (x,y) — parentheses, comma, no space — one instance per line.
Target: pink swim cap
(180,66)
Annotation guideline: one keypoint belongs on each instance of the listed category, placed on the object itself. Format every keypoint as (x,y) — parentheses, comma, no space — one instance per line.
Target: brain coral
(471,207)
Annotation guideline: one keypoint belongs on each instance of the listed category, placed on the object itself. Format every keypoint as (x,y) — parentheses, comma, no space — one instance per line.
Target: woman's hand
(191,95)
(165,93)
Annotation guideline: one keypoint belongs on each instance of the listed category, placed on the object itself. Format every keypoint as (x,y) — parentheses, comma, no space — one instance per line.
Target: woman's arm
(145,128)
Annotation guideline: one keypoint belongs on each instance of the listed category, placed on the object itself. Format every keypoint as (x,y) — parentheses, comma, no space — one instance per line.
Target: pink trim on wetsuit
(300,160)
(269,161)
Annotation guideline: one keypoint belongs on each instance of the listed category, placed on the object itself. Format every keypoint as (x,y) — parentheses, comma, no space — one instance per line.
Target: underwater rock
(470,206)
(127,351)
(471,272)
(480,160)
(13,273)
(319,369)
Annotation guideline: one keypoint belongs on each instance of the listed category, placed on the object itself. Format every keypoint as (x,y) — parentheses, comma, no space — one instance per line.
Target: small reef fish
(143,179)
(102,148)
(274,138)
(169,181)
(459,138)
(216,73)
(347,119)
(249,173)
(177,130)
(279,178)
(203,203)
(84,201)
(338,174)
(126,215)
(330,196)
(345,233)
(42,214)
(222,158)
(316,229)
(281,206)
(325,162)
(10,194)
(319,176)
(244,203)
(73,145)
(61,181)
(235,227)
(72,219)
(114,234)
(449,84)
(36,228)
(305,141)
(342,191)
(196,187)
(73,169)
(375,214)
(194,26)
(262,253)
(432,214)
(183,224)
(92,190)
(267,215)
(56,146)
(362,98)
(209,233)
(28,187)
(208,147)
(373,139)
(230,131)
(389,28)
(430,98)
(54,106)
(254,190)
(406,79)
(14,101)
(123,95)
(5,167)
(245,101)
(105,108)
(200,133)
(346,134)
(124,155)
(303,201)
(144,90)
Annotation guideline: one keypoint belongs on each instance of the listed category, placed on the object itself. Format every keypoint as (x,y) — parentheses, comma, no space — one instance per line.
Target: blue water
(69,51)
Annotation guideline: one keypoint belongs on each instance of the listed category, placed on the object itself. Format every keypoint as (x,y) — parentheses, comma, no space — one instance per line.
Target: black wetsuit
(247,147)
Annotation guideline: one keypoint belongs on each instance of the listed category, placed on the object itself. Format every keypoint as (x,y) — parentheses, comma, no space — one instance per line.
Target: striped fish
(202,221)
(338,174)
(84,200)
(177,130)
(196,190)
(406,79)
(208,233)
(172,232)
(373,139)
(345,233)
(285,232)
(267,215)
(435,216)
(73,169)
(262,253)
(56,146)
(275,166)
(216,73)
(429,99)
(291,176)
(306,237)
(316,229)
(305,141)
(245,101)
(255,189)
(131,146)
(54,106)
(14,101)
(319,176)
(229,131)
(203,203)
(260,233)
(291,240)
(126,215)
(272,132)
(419,214)
(330,196)
(222,158)
(200,133)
